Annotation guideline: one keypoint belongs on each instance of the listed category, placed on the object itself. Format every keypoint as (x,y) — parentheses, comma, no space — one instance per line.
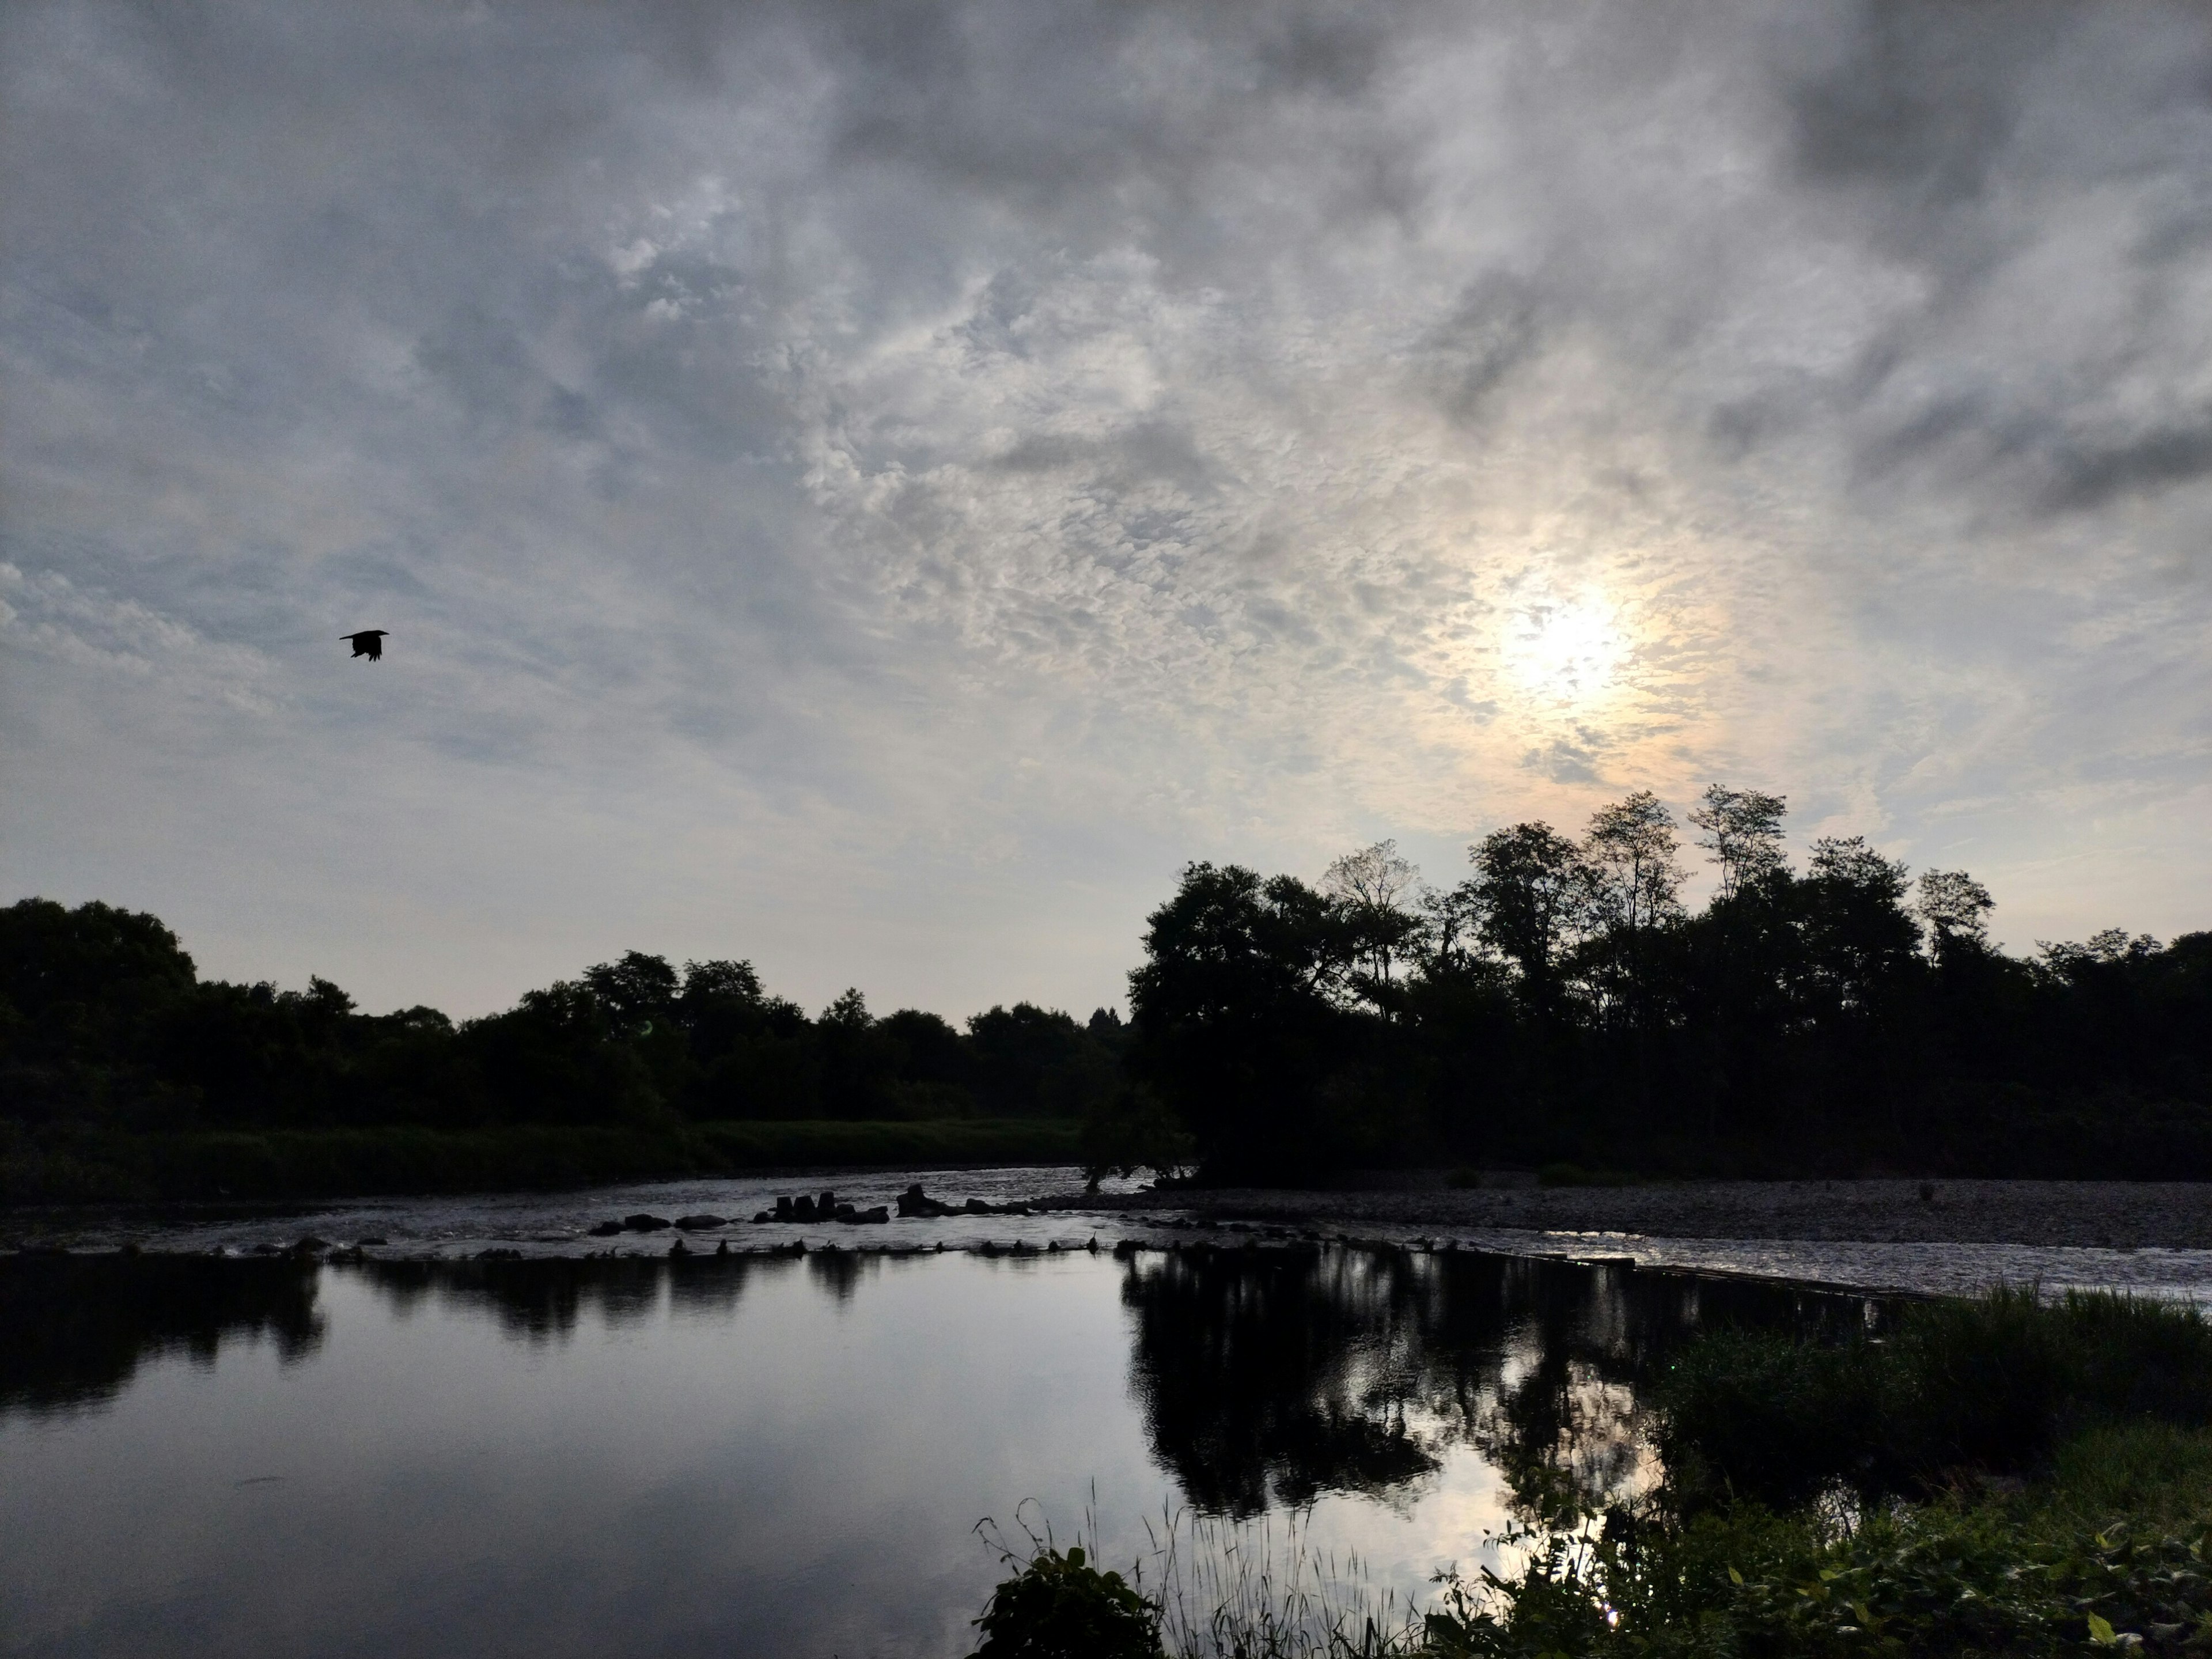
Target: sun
(1565,651)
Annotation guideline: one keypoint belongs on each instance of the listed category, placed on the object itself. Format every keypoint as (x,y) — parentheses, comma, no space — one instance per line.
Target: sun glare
(1568,650)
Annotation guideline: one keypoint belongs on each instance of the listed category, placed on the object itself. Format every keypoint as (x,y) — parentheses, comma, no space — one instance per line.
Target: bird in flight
(368,643)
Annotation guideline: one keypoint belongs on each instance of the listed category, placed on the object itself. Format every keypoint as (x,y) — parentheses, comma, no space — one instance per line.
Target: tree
(635,991)
(1635,887)
(1632,847)
(1956,909)
(1743,832)
(1856,938)
(1370,886)
(1535,890)
(1236,1013)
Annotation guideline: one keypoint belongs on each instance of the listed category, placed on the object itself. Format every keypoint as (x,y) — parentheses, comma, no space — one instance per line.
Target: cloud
(898,475)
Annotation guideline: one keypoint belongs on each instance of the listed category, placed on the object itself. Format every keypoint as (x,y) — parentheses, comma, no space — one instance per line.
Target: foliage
(1561,1006)
(106,1029)
(1992,1383)
(1059,1605)
(60,1163)
(1949,1579)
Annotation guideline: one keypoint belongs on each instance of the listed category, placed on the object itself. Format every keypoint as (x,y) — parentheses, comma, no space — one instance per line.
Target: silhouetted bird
(368,643)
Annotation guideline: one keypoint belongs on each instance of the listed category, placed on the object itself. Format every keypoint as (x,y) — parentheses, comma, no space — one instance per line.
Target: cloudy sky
(874,489)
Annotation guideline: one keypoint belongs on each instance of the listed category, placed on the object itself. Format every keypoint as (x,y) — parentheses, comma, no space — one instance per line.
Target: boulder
(765,1215)
(783,1209)
(699,1223)
(915,1202)
(604,1230)
(869,1218)
(802,1209)
(644,1224)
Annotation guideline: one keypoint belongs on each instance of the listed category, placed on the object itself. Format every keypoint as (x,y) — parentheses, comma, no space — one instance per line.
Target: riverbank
(2092,1214)
(288,1165)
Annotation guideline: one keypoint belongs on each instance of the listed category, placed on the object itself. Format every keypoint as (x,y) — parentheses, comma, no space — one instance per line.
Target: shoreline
(2086,1214)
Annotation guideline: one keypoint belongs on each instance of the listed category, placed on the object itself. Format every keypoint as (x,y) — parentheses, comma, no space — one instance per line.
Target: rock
(360,1243)
(783,1209)
(880,1213)
(722,1248)
(700,1224)
(846,1212)
(976,1206)
(802,1209)
(825,1206)
(644,1224)
(765,1215)
(915,1202)
(987,1249)
(679,1248)
(604,1230)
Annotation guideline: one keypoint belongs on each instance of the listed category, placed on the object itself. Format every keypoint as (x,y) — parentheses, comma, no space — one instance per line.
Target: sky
(875,489)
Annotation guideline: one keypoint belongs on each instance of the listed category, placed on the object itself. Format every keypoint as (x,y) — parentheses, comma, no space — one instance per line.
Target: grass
(1209,1588)
(1991,1384)
(304,1163)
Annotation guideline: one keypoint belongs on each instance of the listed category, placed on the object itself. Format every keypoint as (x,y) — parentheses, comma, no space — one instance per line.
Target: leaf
(1734,1577)
(2100,1631)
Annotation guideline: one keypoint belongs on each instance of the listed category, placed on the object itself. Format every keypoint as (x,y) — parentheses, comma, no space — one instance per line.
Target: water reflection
(766,1454)
(75,1329)
(1271,1377)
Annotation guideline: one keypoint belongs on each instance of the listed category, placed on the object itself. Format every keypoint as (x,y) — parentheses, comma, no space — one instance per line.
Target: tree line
(1562,1002)
(103,1021)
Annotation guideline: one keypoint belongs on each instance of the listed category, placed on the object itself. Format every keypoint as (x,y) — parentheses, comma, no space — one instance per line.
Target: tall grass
(1262,1589)
(1993,1384)
(1218,1589)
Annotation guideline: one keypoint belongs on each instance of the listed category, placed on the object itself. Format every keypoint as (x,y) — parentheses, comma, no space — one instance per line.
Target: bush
(1061,1607)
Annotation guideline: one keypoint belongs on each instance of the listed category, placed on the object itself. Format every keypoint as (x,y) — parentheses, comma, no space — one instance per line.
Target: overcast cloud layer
(874,489)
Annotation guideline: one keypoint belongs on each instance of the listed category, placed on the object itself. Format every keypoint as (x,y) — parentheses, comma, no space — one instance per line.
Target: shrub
(1061,1607)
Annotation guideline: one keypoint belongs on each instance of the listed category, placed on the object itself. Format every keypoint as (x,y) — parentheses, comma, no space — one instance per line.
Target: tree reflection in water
(1272,1375)
(1265,1376)
(75,1328)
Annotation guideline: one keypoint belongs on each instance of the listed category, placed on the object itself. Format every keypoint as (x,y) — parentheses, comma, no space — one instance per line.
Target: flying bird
(368,643)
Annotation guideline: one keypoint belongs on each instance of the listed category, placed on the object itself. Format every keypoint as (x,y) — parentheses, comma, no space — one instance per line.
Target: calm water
(754,1455)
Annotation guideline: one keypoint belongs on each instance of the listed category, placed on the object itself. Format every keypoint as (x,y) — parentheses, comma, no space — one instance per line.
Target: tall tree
(1371,886)
(1956,909)
(1743,832)
(1535,890)
(1632,847)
